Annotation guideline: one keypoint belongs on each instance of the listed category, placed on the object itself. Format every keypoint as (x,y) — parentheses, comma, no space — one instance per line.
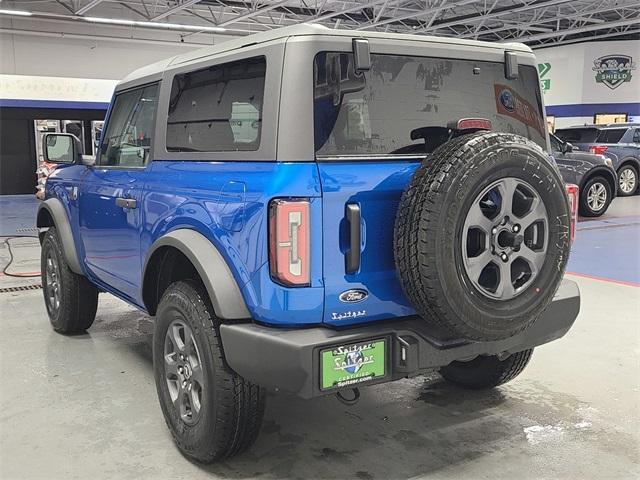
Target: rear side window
(218,108)
(611,135)
(127,141)
(389,109)
(578,135)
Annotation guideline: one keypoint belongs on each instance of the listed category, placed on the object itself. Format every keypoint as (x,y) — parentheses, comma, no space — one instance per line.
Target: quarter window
(127,141)
(218,108)
(611,135)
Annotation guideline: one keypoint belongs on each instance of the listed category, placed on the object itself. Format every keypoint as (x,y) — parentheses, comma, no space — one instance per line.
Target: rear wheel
(211,411)
(486,371)
(595,197)
(627,180)
(71,300)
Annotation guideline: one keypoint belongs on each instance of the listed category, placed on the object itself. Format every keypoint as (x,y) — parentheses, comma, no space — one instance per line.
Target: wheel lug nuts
(516,228)
(504,257)
(494,230)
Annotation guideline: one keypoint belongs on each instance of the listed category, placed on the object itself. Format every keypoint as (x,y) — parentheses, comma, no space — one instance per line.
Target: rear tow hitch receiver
(349,401)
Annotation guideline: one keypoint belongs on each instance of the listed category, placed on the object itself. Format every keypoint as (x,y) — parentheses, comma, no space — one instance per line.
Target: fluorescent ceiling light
(170,26)
(20,13)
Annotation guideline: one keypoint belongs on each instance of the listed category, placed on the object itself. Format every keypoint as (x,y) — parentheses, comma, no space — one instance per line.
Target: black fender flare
(53,208)
(629,160)
(223,290)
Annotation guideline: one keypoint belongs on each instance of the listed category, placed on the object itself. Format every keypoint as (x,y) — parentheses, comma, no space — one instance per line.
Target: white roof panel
(299,30)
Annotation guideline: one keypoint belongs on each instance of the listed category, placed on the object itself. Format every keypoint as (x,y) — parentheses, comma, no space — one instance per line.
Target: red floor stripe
(603,279)
(19,274)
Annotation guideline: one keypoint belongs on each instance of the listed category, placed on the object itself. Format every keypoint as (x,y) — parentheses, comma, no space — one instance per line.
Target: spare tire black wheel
(482,236)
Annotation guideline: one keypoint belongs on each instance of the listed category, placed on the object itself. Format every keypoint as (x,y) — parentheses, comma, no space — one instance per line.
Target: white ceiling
(538,23)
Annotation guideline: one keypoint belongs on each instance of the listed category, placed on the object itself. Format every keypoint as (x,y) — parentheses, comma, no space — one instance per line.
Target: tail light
(473,124)
(572,193)
(289,241)
(598,149)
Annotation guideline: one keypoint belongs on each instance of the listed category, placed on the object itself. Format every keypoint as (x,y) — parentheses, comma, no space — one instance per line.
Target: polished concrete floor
(85,406)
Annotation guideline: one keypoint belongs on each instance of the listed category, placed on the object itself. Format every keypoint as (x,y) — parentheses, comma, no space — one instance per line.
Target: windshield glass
(375,112)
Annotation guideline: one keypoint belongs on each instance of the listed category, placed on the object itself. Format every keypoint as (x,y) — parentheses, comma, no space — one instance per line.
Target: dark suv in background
(593,173)
(618,141)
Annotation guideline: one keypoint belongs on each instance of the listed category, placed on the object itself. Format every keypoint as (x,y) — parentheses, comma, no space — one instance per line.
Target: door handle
(126,203)
(352,258)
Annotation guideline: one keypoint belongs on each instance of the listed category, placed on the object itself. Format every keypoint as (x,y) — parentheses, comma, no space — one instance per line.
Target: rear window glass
(611,135)
(578,135)
(389,109)
(218,108)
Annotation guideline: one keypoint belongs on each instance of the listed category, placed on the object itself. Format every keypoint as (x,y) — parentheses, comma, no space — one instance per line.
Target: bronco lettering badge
(355,295)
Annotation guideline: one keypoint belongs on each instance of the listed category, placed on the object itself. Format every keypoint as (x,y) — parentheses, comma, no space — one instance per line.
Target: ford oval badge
(355,295)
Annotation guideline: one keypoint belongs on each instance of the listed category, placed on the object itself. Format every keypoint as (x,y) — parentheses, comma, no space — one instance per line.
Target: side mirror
(88,160)
(568,148)
(63,148)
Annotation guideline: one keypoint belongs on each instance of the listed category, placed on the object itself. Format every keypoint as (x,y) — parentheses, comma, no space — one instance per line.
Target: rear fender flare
(223,290)
(629,161)
(54,209)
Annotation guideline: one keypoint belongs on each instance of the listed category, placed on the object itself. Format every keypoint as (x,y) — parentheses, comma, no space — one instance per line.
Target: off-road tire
(583,207)
(486,371)
(622,193)
(78,298)
(232,408)
(428,227)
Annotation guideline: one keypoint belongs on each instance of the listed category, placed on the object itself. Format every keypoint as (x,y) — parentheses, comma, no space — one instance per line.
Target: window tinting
(388,109)
(578,135)
(127,142)
(611,135)
(218,108)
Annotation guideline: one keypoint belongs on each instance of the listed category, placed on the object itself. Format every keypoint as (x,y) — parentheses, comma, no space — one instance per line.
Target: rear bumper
(288,359)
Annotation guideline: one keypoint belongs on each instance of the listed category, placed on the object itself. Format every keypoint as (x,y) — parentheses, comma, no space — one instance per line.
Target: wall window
(604,118)
(127,141)
(218,108)
(551,123)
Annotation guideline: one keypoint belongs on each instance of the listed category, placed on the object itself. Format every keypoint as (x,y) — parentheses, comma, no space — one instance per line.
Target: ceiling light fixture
(19,13)
(169,26)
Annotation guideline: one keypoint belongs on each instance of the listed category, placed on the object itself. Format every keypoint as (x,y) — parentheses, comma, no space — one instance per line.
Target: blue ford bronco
(312,211)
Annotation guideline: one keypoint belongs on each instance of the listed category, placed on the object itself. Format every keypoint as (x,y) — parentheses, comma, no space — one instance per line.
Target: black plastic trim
(288,359)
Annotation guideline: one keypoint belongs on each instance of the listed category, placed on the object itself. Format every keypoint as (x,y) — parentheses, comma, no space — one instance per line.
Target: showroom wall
(73,57)
(575,90)
(46,75)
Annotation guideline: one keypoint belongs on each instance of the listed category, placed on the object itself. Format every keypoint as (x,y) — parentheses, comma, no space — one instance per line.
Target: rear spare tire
(482,236)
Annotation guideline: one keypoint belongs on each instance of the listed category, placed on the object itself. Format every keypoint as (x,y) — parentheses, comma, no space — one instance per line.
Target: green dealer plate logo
(347,365)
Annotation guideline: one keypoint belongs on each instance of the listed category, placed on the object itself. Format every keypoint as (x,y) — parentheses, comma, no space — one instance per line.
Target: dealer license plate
(347,365)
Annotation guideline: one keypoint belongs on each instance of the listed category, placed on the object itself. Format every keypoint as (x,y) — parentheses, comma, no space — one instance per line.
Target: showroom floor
(85,406)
